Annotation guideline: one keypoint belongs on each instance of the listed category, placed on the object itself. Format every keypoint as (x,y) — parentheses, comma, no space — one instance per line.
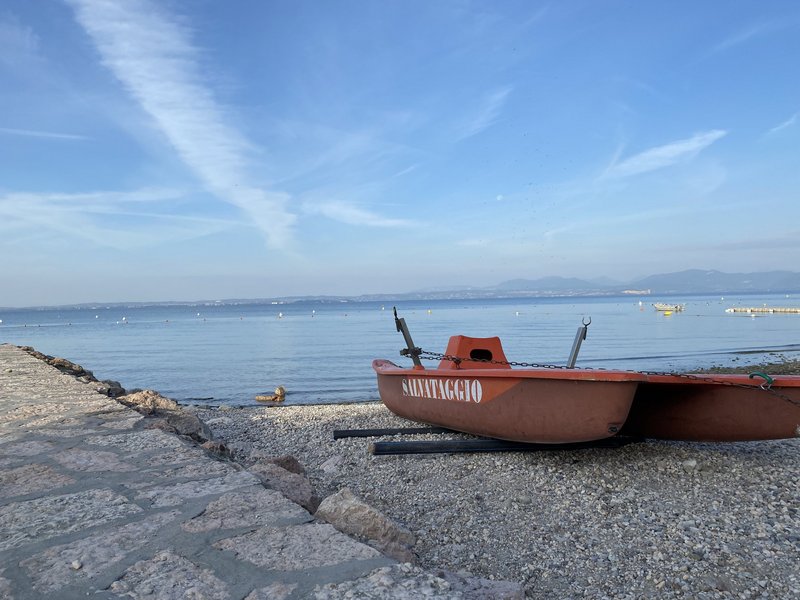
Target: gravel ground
(785,366)
(656,519)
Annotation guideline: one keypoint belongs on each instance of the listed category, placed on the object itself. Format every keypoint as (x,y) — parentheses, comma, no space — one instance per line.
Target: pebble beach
(647,520)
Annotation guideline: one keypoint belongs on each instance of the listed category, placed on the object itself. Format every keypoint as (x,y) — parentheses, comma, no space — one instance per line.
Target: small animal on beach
(278,396)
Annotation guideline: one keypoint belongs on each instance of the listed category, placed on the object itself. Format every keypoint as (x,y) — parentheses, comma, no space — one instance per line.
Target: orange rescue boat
(481,394)
(475,390)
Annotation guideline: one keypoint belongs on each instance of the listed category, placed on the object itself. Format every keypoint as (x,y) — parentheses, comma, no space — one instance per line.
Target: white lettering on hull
(457,390)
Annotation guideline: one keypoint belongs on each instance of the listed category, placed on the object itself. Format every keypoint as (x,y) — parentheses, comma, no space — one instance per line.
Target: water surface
(321,352)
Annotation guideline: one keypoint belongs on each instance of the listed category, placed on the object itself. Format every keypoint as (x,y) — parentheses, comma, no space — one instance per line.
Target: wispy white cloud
(663,156)
(92,200)
(333,148)
(487,114)
(314,153)
(106,219)
(406,171)
(42,134)
(786,124)
(19,45)
(151,53)
(353,215)
(740,37)
(474,243)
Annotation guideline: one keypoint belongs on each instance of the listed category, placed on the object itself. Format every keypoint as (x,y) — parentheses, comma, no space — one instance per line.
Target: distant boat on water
(669,307)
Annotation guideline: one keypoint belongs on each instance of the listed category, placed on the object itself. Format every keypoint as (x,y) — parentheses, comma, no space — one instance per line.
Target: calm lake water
(322,352)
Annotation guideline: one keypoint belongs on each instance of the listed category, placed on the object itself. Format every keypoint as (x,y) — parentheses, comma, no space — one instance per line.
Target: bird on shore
(278,396)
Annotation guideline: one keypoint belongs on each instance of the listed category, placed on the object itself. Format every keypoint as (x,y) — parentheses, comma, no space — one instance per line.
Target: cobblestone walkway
(94,504)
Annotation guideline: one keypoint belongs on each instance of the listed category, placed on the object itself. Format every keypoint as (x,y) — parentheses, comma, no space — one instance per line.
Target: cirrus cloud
(664,156)
(152,55)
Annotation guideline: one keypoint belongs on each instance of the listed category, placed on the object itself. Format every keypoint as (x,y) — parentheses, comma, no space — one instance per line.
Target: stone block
(31,448)
(294,486)
(44,518)
(85,558)
(251,508)
(296,547)
(176,494)
(31,478)
(168,576)
(91,460)
(351,515)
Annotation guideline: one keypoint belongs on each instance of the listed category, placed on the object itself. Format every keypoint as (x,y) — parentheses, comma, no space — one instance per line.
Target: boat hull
(715,408)
(523,405)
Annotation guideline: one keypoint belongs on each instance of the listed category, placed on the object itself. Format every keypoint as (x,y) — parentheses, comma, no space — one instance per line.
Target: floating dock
(764,309)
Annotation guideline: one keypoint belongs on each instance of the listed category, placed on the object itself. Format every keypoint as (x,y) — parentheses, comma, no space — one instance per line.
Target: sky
(195,149)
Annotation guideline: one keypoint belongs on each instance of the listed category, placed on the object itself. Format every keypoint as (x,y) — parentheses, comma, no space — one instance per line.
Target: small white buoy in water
(280,315)
(97,316)
(516,314)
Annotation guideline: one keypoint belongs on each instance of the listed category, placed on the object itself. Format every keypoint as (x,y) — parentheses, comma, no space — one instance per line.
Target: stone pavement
(92,502)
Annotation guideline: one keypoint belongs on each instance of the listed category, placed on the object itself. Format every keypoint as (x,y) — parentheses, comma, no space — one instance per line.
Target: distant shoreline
(388,299)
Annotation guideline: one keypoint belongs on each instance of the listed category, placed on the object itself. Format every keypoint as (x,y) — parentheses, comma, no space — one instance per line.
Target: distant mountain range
(698,281)
(693,281)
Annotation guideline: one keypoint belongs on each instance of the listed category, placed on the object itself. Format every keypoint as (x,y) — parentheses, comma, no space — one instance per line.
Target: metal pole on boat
(410,349)
(576,345)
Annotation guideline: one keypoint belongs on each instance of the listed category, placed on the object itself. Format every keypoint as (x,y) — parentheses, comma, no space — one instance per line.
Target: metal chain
(458,360)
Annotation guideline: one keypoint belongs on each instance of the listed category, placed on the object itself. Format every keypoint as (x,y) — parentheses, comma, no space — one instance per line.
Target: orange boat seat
(478,349)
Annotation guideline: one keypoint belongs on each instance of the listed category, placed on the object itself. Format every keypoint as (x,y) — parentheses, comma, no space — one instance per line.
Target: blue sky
(197,149)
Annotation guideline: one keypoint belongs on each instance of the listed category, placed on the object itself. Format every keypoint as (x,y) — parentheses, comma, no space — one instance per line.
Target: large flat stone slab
(78,459)
(31,478)
(50,516)
(168,576)
(251,508)
(176,494)
(298,547)
(83,559)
